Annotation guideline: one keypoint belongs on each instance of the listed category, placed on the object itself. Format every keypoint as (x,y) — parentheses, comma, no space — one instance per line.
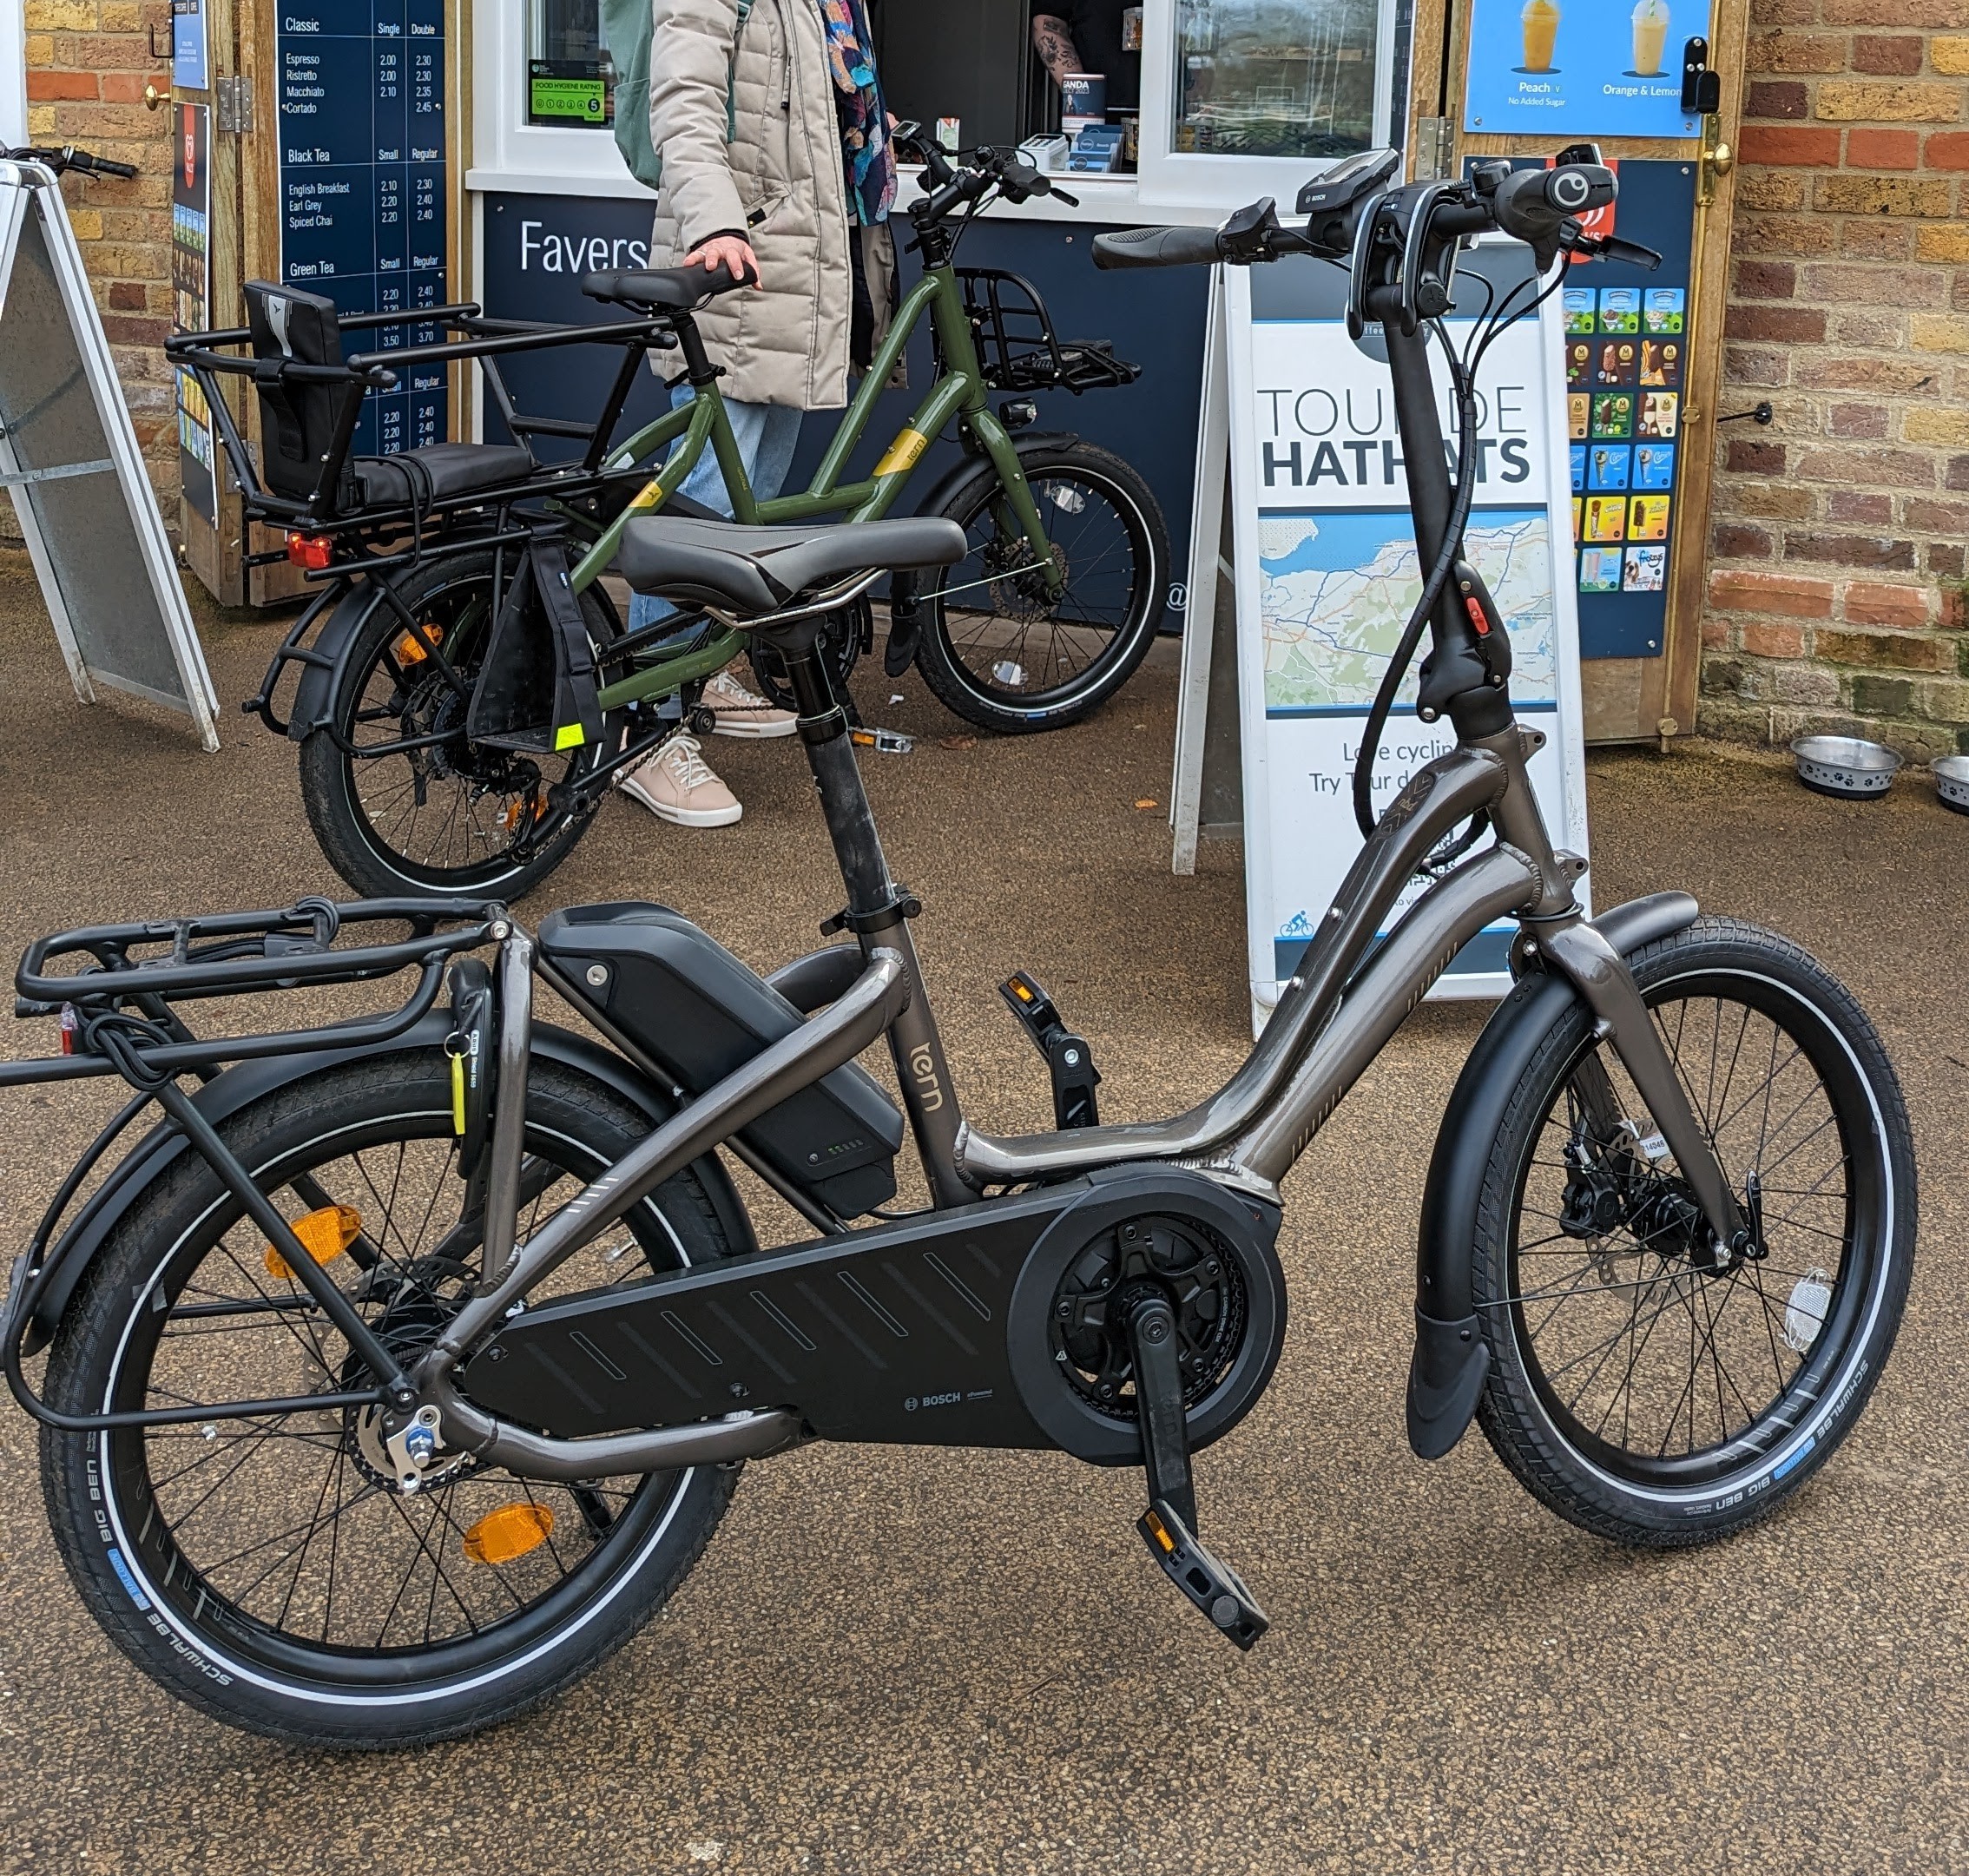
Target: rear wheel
(403,801)
(269,1571)
(1001,650)
(1642,1385)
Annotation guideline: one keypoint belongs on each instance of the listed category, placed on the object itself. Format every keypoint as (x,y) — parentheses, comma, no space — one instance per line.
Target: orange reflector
(1158,1530)
(313,551)
(413,648)
(516,813)
(503,1536)
(1023,991)
(324,1235)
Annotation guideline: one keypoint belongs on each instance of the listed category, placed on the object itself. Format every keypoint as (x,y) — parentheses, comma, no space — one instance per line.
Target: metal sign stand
(68,455)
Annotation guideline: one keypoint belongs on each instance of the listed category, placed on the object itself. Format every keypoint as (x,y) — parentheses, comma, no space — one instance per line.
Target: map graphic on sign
(1336,591)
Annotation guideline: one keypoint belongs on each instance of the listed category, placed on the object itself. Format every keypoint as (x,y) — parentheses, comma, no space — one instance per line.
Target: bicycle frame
(687,429)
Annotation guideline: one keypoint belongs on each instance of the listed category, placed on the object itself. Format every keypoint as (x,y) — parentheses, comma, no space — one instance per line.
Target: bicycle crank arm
(1213,1587)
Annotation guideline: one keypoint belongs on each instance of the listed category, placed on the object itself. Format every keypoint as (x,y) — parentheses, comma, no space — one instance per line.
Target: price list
(363,199)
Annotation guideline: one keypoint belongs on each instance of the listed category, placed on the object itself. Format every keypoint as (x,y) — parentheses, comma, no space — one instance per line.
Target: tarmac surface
(917,1660)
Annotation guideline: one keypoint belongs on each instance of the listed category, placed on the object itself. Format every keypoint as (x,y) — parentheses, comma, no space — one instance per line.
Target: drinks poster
(1560,69)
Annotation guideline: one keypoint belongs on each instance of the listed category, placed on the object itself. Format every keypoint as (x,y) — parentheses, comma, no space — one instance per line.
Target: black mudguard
(237,1088)
(1452,1360)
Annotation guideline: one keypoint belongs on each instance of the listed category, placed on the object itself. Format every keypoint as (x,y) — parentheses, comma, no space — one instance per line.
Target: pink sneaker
(676,784)
(740,712)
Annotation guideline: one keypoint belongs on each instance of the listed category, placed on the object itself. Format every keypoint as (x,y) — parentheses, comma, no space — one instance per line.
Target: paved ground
(931,1663)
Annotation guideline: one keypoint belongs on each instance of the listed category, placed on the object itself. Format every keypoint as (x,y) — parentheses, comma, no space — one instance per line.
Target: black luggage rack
(1016,345)
(117,1006)
(317,494)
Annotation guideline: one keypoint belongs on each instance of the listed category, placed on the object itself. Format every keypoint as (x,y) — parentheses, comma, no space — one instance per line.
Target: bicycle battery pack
(694,1009)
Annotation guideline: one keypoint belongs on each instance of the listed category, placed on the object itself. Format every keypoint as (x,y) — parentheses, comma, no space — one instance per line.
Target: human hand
(734,255)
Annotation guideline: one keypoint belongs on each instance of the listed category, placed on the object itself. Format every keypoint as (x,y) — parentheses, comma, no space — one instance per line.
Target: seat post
(878,910)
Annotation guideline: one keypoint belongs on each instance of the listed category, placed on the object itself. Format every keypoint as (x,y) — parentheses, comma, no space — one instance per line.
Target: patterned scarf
(864,120)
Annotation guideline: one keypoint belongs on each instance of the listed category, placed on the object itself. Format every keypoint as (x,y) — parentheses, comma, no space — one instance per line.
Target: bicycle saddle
(675,289)
(757,570)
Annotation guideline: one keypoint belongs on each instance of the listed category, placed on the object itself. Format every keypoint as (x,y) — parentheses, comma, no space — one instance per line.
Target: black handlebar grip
(1157,247)
(128,172)
(1530,203)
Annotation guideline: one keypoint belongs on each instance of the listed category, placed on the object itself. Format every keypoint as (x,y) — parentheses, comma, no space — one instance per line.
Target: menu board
(362,182)
(1563,68)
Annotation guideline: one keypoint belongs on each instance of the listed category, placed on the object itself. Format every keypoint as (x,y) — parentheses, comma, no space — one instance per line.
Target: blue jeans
(766,435)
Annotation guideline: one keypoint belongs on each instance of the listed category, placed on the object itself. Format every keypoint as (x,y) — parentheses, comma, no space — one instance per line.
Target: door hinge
(233,97)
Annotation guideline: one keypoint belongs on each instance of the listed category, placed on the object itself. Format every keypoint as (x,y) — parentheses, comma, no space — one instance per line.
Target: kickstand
(1168,1526)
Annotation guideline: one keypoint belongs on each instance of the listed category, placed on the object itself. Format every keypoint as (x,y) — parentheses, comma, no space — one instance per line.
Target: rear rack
(148,968)
(117,1010)
(1017,348)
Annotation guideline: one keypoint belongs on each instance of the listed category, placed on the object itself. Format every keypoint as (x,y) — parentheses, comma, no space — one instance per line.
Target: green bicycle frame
(959,394)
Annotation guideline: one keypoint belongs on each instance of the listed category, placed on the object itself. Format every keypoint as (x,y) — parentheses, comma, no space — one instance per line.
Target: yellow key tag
(457,1095)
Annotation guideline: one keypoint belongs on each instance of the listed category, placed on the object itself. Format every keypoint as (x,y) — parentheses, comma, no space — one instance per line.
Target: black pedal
(1069,1060)
(1214,1587)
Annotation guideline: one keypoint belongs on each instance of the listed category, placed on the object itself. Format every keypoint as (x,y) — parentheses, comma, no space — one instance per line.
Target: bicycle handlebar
(1157,247)
(69,157)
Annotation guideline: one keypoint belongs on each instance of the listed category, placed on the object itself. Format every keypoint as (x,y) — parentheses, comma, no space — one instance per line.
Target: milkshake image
(1651,37)
(1540,22)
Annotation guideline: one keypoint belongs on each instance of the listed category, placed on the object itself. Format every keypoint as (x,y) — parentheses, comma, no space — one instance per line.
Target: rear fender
(321,671)
(1452,1360)
(227,1094)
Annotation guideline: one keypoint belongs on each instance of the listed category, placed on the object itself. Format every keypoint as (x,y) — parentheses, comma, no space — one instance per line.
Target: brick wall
(87,64)
(1837,594)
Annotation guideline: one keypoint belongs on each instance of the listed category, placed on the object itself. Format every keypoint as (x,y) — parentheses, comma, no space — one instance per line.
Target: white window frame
(509,153)
(1201,180)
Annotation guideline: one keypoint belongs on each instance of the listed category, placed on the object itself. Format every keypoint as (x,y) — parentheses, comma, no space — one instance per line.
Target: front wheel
(1010,654)
(1642,1385)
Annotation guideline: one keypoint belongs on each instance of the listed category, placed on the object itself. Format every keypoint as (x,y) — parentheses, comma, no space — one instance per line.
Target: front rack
(1017,348)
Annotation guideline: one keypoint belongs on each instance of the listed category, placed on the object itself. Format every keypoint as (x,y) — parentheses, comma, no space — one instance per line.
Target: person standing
(777,167)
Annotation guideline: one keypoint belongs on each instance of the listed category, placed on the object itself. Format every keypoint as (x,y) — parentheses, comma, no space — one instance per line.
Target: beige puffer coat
(781,180)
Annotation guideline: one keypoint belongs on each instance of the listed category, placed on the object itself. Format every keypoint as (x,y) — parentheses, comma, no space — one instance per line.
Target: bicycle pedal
(1069,1060)
(1213,1586)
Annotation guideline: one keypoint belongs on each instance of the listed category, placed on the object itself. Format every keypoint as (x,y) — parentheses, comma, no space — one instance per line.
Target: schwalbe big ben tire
(1802,1425)
(944,671)
(213,1657)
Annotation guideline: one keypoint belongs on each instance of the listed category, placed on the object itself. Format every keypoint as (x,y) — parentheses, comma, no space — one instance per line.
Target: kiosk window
(1275,77)
(570,76)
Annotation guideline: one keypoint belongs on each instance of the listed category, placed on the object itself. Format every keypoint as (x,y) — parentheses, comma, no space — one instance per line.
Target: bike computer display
(1346,183)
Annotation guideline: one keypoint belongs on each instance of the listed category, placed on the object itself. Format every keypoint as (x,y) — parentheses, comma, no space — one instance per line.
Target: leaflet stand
(68,455)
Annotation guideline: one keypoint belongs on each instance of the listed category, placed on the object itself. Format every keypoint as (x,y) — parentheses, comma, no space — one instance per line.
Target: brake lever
(1054,189)
(1611,247)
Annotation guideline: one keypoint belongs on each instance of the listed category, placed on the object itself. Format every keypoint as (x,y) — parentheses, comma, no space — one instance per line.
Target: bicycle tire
(163,1583)
(1821,1298)
(1131,597)
(376,860)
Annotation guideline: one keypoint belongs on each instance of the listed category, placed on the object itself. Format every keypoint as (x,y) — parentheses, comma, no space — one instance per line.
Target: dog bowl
(1951,781)
(1849,767)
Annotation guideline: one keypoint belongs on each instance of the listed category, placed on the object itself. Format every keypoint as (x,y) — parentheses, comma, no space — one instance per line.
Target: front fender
(1452,1360)
(227,1094)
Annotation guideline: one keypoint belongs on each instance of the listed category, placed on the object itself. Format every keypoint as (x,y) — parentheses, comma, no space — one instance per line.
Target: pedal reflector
(507,1534)
(324,1235)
